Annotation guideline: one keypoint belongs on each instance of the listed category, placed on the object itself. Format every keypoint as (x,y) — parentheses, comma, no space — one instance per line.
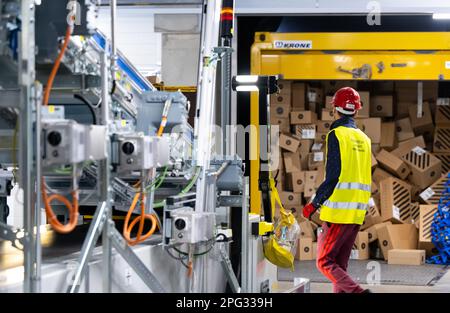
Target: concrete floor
(442,286)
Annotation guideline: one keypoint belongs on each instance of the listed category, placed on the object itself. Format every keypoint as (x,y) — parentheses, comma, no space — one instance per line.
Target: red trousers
(334,246)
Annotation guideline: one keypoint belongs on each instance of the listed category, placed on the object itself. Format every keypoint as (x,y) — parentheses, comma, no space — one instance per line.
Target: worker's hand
(308,210)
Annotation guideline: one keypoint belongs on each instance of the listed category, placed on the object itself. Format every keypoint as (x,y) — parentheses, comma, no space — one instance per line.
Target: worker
(343,197)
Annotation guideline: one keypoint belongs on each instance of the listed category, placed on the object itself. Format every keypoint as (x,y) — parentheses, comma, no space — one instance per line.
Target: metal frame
(341,56)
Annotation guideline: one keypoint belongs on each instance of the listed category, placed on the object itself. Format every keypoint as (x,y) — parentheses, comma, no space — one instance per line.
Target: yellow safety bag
(280,248)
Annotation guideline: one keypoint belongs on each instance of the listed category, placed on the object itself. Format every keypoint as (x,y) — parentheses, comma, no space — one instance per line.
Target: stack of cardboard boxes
(411,155)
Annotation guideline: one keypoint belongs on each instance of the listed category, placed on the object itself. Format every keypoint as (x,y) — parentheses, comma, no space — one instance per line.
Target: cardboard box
(323,126)
(309,190)
(305,131)
(304,146)
(365,101)
(154,79)
(283,124)
(298,96)
(393,164)
(327,115)
(331,86)
(360,250)
(433,194)
(289,143)
(303,117)
(371,127)
(373,231)
(382,106)
(298,181)
(374,161)
(374,188)
(425,167)
(445,159)
(388,139)
(296,210)
(315,95)
(426,218)
(290,198)
(320,177)
(404,129)
(280,111)
(279,99)
(442,139)
(403,236)
(442,116)
(402,108)
(304,252)
(314,250)
(321,138)
(310,177)
(328,104)
(407,145)
(285,87)
(415,213)
(406,257)
(291,162)
(395,197)
(379,175)
(315,160)
(307,230)
(423,125)
(373,215)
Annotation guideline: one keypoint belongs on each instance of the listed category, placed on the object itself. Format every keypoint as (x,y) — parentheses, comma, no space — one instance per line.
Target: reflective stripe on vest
(346,205)
(357,186)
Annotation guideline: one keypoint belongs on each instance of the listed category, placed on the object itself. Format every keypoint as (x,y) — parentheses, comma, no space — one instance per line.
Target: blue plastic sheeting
(130,72)
(440,228)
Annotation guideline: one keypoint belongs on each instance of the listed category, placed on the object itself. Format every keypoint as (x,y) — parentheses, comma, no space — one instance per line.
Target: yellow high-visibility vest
(349,201)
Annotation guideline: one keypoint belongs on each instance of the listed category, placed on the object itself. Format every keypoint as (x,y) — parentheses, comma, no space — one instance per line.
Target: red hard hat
(347,100)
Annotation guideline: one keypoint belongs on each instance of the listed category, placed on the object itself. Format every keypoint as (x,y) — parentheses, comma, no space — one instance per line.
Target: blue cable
(440,228)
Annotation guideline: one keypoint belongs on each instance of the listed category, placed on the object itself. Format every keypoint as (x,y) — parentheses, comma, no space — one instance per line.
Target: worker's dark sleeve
(332,171)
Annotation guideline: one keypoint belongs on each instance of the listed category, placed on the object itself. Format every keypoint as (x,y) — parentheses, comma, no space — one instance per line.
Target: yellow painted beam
(396,65)
(363,41)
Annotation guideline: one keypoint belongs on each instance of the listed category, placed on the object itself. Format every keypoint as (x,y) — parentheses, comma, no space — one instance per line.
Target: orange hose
(55,68)
(71,207)
(127,228)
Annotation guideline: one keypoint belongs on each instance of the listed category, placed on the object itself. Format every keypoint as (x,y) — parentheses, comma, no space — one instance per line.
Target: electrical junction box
(64,142)
(184,225)
(136,152)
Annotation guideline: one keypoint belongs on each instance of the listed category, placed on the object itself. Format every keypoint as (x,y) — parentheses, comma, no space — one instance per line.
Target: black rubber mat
(371,272)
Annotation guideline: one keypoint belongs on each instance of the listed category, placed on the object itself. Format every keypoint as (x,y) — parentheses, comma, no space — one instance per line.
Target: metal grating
(445,158)
(437,189)
(360,271)
(421,161)
(442,139)
(402,200)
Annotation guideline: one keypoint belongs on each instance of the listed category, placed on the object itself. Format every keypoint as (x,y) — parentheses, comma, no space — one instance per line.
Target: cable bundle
(440,228)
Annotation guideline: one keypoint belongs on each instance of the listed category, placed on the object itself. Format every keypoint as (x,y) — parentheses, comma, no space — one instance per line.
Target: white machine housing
(138,152)
(64,142)
(188,226)
(67,142)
